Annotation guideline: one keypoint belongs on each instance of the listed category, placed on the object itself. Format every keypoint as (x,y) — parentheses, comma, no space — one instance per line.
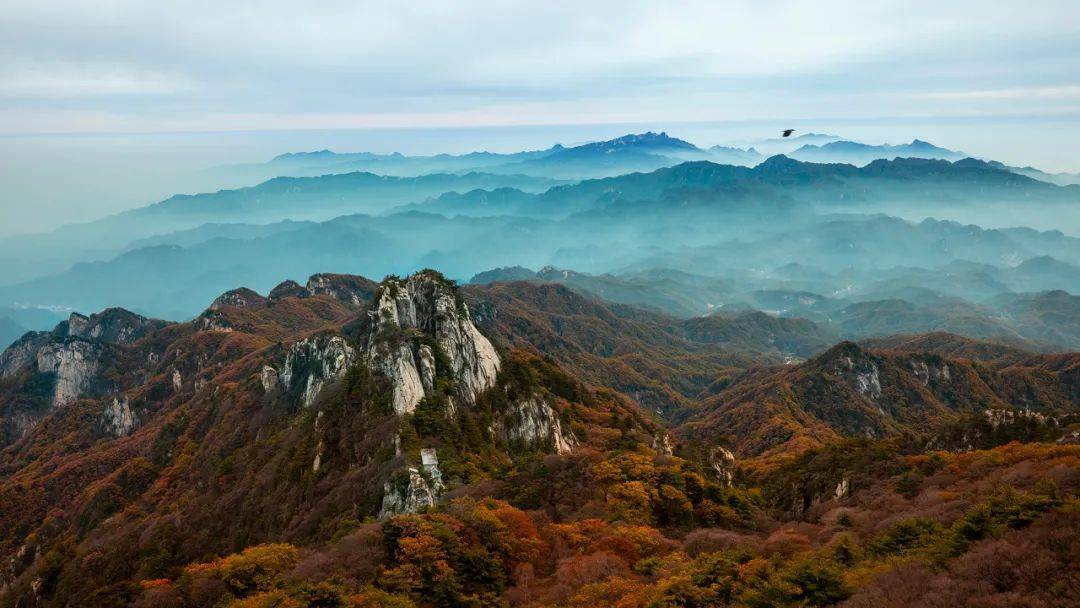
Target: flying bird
(788,132)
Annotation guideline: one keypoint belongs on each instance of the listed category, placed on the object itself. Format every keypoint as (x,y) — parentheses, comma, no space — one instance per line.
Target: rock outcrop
(662,444)
(213,320)
(117,417)
(418,330)
(55,349)
(722,461)
(533,424)
(21,353)
(351,289)
(864,375)
(414,489)
(928,373)
(419,323)
(843,487)
(238,298)
(113,325)
(997,426)
(310,365)
(68,363)
(998,418)
(73,363)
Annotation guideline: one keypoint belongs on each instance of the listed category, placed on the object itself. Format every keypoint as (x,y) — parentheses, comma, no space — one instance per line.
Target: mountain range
(742,227)
(271,428)
(795,372)
(855,153)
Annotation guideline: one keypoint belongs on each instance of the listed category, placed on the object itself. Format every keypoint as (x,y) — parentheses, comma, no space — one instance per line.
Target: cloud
(1062,93)
(203,63)
(68,81)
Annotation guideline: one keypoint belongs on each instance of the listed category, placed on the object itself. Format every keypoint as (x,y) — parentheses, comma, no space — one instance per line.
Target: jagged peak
(503,274)
(648,139)
(435,282)
(116,325)
(241,297)
(349,288)
(411,301)
(840,351)
(552,273)
(428,304)
(313,154)
(924,145)
(287,289)
(424,274)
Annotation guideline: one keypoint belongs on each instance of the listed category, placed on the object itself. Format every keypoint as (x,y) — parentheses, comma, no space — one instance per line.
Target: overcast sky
(140,65)
(107,105)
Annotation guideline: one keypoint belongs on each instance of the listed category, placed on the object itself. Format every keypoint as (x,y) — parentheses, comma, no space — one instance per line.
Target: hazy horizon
(105,173)
(106,108)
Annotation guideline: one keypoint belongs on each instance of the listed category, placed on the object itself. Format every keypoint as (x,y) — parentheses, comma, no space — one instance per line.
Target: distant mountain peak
(551,273)
(779,161)
(648,139)
(858,153)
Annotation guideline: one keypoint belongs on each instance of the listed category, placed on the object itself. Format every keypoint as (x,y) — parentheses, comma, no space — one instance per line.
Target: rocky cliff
(413,489)
(533,424)
(347,288)
(46,371)
(418,323)
(73,364)
(857,392)
(114,325)
(310,364)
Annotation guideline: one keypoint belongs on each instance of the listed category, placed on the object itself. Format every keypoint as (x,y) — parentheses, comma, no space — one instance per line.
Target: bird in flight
(788,132)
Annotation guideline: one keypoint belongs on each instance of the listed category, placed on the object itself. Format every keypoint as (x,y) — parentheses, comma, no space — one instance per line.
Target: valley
(631,372)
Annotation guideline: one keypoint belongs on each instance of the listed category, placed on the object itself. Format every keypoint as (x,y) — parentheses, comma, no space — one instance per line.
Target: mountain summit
(643,141)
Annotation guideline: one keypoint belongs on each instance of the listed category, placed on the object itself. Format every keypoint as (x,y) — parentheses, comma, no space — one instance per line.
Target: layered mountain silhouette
(856,153)
(799,371)
(462,419)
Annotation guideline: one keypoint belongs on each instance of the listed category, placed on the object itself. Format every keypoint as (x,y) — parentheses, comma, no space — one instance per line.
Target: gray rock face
(662,444)
(425,305)
(74,362)
(863,373)
(350,289)
(722,462)
(311,364)
(118,418)
(929,373)
(1001,417)
(20,424)
(213,320)
(73,353)
(114,325)
(21,353)
(268,377)
(415,491)
(842,489)
(397,361)
(427,367)
(534,424)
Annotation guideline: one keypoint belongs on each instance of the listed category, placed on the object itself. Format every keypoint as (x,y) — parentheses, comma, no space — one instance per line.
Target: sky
(1001,79)
(140,65)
